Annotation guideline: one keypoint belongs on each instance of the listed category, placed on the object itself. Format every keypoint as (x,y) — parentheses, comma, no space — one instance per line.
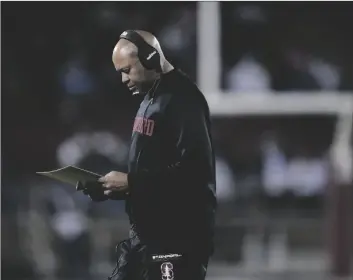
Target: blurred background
(279,80)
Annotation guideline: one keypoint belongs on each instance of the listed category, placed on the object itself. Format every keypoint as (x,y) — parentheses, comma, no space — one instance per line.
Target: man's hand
(93,189)
(114,181)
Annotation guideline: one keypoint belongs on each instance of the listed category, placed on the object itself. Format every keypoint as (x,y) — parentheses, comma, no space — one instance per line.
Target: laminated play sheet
(71,175)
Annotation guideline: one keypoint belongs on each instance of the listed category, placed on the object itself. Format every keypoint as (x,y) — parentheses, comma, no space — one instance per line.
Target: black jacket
(172,197)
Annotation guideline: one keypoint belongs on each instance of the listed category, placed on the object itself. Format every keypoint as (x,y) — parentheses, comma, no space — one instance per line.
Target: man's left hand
(114,181)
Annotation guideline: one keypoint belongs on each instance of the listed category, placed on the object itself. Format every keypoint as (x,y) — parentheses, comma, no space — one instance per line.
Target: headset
(148,55)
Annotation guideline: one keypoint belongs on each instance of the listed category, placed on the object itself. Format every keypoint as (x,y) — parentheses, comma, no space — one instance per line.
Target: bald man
(170,186)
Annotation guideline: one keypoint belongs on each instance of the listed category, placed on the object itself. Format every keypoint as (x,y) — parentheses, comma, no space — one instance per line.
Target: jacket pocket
(121,271)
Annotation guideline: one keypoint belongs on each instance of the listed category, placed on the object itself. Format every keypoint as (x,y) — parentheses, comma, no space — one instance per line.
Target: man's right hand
(93,189)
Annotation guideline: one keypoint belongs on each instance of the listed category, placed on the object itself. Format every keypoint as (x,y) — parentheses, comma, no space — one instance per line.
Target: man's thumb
(79,186)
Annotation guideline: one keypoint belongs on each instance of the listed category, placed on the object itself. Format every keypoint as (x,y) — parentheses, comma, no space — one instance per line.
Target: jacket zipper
(143,119)
(143,126)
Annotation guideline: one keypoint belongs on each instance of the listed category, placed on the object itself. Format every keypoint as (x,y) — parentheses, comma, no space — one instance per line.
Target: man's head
(126,60)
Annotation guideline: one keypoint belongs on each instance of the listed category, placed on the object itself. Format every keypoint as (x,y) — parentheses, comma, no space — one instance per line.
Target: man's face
(133,74)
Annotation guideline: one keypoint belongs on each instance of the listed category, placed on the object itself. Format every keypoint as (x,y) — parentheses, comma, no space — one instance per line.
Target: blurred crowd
(287,47)
(64,104)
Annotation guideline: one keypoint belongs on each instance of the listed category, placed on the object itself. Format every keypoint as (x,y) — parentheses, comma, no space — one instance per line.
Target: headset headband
(148,55)
(134,38)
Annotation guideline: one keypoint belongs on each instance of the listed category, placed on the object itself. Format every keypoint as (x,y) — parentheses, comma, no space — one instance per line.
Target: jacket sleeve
(117,195)
(187,118)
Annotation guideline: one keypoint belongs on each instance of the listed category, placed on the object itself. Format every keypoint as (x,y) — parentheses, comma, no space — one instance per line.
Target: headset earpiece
(148,56)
